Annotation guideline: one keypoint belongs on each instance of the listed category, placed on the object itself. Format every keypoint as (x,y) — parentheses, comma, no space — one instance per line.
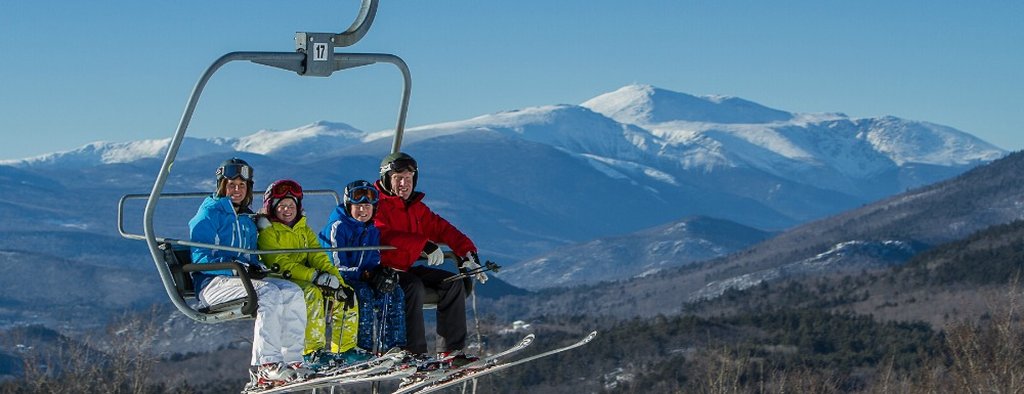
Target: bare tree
(118,362)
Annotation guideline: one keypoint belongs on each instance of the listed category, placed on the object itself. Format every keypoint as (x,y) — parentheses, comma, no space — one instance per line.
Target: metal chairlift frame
(314,56)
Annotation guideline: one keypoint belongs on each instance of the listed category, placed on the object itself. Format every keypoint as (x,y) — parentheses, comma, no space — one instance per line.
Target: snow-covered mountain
(315,140)
(312,140)
(524,183)
(648,105)
(828,150)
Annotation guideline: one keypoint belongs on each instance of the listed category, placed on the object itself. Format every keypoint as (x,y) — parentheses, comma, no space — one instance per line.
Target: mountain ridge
(528,181)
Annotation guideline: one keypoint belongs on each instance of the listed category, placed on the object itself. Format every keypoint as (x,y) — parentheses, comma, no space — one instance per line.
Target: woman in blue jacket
(351,225)
(225,219)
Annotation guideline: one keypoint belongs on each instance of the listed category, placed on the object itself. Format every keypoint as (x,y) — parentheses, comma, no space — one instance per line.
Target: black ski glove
(346,294)
(256,271)
(383,279)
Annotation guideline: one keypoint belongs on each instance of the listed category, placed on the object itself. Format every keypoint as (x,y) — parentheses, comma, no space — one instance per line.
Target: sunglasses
(233,171)
(286,189)
(362,195)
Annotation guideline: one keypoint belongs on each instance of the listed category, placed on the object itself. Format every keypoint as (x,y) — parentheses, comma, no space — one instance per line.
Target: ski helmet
(360,192)
(398,161)
(281,189)
(235,168)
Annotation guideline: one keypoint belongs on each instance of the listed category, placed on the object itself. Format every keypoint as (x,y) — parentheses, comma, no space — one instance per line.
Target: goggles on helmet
(362,195)
(284,189)
(400,165)
(232,171)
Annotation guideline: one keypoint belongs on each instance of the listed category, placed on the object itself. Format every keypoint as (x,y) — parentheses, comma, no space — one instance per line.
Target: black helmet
(398,161)
(231,169)
(359,192)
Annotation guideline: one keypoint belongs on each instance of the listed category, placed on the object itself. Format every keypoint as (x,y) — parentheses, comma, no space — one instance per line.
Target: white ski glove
(433,254)
(325,279)
(472,263)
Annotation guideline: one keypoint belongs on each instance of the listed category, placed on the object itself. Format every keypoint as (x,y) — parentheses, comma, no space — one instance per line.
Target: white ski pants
(279,334)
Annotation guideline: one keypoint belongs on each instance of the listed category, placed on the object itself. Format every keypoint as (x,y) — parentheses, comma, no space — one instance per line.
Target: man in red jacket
(406,223)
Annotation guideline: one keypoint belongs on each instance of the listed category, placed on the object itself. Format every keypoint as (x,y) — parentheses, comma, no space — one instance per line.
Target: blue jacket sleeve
(203,229)
(337,235)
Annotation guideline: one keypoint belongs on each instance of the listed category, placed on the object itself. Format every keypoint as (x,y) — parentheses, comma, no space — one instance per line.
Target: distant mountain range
(638,254)
(528,182)
(876,236)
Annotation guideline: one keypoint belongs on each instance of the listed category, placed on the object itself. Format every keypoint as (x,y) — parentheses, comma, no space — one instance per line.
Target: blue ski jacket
(343,230)
(217,223)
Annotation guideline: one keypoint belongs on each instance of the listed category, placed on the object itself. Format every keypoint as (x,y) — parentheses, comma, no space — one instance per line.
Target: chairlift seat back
(179,262)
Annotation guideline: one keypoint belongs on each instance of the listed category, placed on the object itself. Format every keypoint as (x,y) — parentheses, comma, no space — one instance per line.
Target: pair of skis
(390,367)
(485,366)
(386,367)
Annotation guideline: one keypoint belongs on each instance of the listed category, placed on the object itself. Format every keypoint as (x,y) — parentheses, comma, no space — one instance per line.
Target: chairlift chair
(314,56)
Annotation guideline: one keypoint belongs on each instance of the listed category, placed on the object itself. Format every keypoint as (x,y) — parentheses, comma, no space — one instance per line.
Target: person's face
(286,210)
(401,184)
(236,189)
(361,212)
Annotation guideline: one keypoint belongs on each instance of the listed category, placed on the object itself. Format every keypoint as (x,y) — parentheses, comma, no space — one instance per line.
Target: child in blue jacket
(351,225)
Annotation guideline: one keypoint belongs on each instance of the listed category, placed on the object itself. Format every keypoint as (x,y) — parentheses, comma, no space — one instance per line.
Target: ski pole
(488,266)
(328,317)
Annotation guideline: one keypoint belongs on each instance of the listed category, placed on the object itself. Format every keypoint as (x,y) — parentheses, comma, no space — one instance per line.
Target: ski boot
(269,375)
(456,358)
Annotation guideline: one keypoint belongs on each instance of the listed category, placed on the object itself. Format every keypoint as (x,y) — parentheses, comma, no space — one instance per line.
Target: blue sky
(76,72)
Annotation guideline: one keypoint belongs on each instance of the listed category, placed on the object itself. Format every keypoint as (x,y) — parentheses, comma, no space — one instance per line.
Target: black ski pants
(451,309)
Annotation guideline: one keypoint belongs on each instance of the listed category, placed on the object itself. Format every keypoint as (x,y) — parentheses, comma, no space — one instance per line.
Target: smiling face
(236,189)
(286,210)
(361,212)
(402,184)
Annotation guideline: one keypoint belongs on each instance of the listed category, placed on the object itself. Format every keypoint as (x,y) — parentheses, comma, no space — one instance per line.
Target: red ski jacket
(408,225)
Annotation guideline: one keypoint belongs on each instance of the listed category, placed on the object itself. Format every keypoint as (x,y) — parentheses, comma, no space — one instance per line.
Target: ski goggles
(286,188)
(400,166)
(362,195)
(232,171)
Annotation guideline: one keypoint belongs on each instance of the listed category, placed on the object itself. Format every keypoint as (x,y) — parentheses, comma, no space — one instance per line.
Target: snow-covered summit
(646,105)
(906,141)
(568,127)
(311,140)
(102,152)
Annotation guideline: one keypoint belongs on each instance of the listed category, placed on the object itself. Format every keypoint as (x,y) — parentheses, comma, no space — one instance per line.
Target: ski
(423,379)
(335,381)
(375,365)
(385,367)
(463,374)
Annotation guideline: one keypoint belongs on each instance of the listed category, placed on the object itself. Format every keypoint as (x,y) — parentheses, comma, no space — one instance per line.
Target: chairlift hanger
(314,56)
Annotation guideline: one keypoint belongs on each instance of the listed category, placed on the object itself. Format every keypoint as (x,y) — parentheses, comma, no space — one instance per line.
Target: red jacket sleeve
(439,230)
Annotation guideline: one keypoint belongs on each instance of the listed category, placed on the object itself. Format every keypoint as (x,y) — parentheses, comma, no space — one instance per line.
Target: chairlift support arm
(314,56)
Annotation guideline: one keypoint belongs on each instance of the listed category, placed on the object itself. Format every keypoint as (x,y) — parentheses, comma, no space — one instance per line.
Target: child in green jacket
(282,225)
